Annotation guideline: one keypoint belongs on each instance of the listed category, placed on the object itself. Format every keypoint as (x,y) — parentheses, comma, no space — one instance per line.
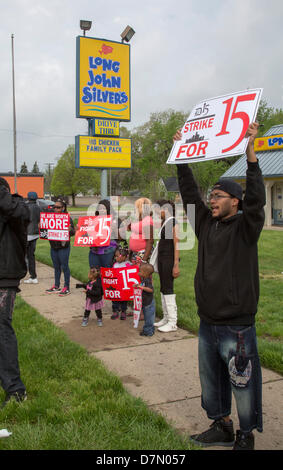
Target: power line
(37,135)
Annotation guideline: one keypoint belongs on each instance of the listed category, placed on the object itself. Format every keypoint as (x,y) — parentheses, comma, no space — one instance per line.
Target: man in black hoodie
(14,219)
(227,292)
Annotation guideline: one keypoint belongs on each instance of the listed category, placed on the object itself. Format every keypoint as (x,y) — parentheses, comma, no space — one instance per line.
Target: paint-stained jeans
(9,366)
(228,361)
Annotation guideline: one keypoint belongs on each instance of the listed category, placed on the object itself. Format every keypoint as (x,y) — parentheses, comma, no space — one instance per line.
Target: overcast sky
(183,51)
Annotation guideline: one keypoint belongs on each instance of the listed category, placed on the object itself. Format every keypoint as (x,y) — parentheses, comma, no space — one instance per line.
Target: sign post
(103,97)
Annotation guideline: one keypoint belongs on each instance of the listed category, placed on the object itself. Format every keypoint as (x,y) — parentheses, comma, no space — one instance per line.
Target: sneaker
(99,322)
(114,315)
(123,316)
(53,289)
(218,434)
(142,333)
(85,321)
(31,281)
(244,441)
(64,291)
(19,397)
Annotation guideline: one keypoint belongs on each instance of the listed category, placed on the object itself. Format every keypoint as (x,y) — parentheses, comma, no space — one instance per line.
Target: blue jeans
(102,261)
(9,367)
(149,318)
(60,260)
(228,361)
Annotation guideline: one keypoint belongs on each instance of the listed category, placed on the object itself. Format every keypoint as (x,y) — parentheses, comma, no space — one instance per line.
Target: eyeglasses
(58,207)
(218,196)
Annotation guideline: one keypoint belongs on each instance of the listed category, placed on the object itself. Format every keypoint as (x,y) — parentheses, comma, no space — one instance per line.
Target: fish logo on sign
(105,49)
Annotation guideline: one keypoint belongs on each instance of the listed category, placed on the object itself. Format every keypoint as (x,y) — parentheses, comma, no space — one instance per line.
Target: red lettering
(181,150)
(202,148)
(191,150)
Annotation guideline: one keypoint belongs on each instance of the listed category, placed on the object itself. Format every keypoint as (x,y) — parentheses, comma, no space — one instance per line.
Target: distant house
(271,164)
(25,183)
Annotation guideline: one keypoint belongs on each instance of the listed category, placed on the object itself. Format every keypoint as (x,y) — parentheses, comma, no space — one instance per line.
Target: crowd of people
(123,251)
(226,286)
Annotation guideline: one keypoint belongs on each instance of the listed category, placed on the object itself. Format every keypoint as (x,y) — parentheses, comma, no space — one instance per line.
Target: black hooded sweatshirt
(14,219)
(227,278)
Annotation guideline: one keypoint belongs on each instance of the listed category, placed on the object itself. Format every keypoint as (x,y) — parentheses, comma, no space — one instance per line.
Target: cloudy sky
(183,51)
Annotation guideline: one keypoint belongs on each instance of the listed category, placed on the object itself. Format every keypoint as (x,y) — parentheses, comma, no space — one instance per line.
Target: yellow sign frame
(268,143)
(103,79)
(103,152)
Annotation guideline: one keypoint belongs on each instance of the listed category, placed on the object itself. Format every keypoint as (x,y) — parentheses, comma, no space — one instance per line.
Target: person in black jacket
(227,292)
(94,294)
(14,219)
(33,235)
(60,253)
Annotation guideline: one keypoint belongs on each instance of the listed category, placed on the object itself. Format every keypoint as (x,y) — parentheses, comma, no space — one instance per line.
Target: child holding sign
(148,304)
(94,293)
(121,261)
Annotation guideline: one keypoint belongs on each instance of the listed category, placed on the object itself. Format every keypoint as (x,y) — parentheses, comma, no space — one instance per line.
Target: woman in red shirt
(141,239)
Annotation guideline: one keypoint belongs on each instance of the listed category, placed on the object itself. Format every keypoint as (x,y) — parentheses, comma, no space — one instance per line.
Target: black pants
(31,258)
(165,268)
(9,366)
(119,306)
(98,313)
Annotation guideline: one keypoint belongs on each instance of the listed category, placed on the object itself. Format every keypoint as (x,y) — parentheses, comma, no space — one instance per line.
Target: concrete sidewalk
(162,370)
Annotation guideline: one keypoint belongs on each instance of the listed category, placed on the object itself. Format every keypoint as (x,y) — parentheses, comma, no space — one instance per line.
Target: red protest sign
(118,283)
(137,299)
(54,226)
(93,231)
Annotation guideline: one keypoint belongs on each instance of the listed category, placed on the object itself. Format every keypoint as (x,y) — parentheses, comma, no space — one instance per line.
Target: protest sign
(216,128)
(118,283)
(54,226)
(137,305)
(93,231)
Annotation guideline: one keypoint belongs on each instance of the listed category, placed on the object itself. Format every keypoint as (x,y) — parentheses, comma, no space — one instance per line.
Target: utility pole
(14,117)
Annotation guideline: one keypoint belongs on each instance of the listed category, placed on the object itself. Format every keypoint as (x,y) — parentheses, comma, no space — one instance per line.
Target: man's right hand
(178,135)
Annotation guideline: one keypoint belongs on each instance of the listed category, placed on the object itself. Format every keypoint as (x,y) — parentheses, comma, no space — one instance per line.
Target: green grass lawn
(269,317)
(73,401)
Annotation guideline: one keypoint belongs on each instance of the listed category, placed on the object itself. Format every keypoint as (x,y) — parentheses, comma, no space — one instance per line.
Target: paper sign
(118,283)
(93,231)
(137,298)
(216,128)
(54,226)
(137,305)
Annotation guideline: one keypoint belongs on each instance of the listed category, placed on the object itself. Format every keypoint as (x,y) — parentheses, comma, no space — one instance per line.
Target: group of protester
(226,288)
(121,253)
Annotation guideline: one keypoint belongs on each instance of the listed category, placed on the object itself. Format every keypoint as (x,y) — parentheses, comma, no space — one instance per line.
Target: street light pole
(14,117)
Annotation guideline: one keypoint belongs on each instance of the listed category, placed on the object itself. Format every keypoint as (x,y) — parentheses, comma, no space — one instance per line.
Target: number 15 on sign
(216,128)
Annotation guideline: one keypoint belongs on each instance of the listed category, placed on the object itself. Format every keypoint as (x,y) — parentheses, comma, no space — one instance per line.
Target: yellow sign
(106,127)
(103,79)
(272,142)
(101,152)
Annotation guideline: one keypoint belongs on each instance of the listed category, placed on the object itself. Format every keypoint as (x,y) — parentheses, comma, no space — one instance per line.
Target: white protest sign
(137,305)
(216,128)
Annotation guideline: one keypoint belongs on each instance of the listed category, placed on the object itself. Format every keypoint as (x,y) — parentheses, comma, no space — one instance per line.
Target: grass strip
(73,401)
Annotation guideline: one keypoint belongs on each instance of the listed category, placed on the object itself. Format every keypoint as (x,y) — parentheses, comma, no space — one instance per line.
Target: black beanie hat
(230,187)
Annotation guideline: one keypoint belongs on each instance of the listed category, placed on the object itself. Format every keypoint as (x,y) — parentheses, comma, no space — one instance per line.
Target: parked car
(45,205)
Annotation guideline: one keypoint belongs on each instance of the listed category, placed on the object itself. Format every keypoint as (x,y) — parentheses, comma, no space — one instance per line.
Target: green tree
(35,168)
(24,168)
(68,180)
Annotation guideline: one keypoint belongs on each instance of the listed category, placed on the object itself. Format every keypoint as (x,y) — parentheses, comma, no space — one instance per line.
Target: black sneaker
(218,434)
(244,441)
(19,396)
